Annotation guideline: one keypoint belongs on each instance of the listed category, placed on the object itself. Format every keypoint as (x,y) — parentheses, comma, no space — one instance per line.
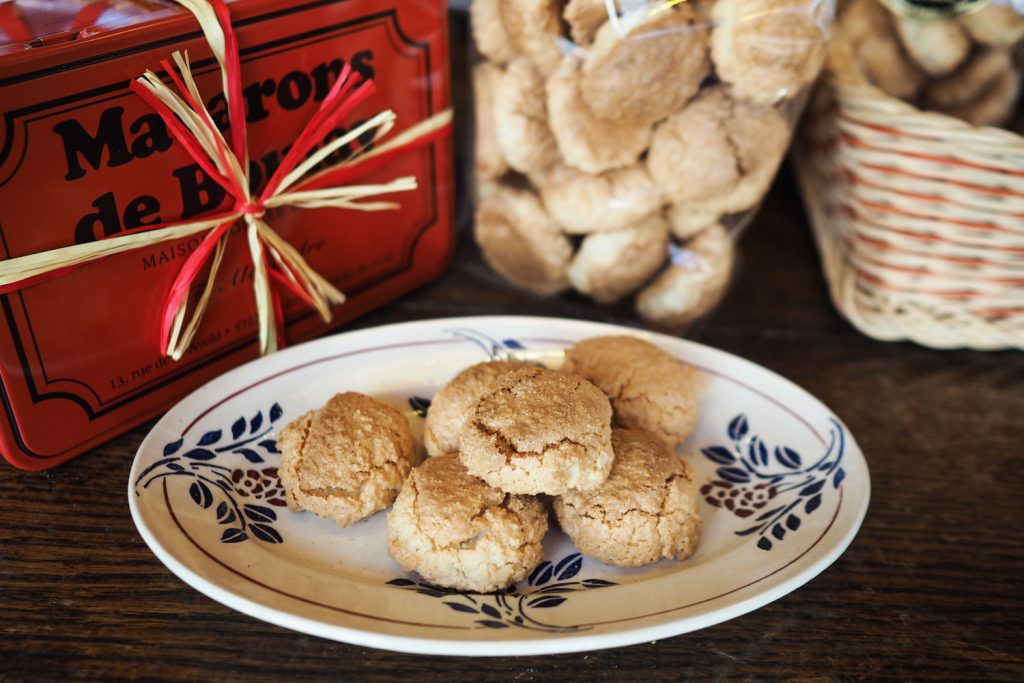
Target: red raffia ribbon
(274,259)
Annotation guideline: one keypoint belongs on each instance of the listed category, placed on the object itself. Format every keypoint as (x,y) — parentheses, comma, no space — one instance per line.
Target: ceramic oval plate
(784,489)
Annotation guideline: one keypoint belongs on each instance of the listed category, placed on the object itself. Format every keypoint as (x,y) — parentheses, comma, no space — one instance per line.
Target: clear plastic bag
(621,144)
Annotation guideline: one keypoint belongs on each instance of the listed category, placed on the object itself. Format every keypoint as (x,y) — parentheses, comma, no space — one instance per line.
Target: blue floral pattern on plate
(753,476)
(516,607)
(249,446)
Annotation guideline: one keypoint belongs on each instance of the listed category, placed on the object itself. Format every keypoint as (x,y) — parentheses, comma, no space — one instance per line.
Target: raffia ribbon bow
(292,184)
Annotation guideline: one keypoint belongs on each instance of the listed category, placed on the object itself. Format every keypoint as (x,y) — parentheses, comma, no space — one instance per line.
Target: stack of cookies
(595,439)
(968,66)
(613,150)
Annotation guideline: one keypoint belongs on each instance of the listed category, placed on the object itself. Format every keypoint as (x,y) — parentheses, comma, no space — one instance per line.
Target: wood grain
(931,589)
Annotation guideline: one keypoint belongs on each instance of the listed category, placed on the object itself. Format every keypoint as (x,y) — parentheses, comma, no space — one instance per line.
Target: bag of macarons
(621,145)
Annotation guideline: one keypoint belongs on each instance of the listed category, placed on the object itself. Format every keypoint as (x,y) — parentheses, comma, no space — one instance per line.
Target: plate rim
(563,642)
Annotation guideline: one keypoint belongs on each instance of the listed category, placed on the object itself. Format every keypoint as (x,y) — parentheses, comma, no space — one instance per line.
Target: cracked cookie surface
(347,459)
(646,510)
(648,388)
(539,431)
(450,408)
(458,532)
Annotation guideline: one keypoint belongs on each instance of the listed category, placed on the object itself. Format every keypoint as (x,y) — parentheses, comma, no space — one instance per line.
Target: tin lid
(28,24)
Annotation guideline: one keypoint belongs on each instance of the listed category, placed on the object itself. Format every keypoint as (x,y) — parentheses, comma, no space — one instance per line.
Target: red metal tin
(81,157)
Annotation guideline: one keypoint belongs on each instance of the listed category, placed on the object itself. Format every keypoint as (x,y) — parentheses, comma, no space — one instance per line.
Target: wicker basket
(918,216)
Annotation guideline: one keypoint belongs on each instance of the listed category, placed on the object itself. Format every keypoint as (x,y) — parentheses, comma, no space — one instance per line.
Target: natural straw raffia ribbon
(292,184)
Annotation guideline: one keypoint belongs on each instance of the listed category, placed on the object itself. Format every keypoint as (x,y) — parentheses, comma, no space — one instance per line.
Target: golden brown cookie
(648,388)
(584,18)
(489,160)
(647,509)
(534,27)
(488,29)
(768,49)
(685,224)
(995,25)
(458,532)
(717,156)
(984,91)
(609,265)
(693,284)
(651,71)
(583,203)
(692,153)
(347,459)
(451,406)
(539,431)
(586,141)
(869,28)
(520,118)
(937,45)
(520,241)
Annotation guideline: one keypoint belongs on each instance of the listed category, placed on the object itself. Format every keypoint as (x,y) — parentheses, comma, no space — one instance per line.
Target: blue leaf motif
(200,454)
(811,489)
(764,543)
(738,427)
(275,412)
(255,423)
(250,454)
(793,522)
(758,452)
(838,478)
(747,532)
(225,515)
(238,428)
(735,475)
(511,344)
(598,583)
(212,436)
(547,601)
(778,532)
(569,567)
(419,405)
(787,457)
(719,454)
(540,575)
(175,467)
(259,513)
(270,445)
(458,606)
(172,447)
(491,624)
(813,504)
(401,582)
(200,493)
(233,535)
(265,532)
(765,515)
(490,611)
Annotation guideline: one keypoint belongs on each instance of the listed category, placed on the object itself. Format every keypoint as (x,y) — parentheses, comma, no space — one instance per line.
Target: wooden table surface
(932,588)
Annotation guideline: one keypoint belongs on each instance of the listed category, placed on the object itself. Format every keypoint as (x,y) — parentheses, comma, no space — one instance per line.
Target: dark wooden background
(931,589)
